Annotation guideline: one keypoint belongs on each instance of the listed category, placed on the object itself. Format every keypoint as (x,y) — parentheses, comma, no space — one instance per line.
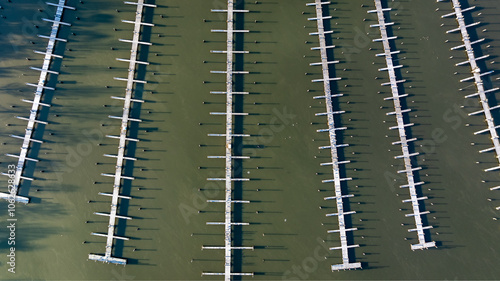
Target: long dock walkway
(36,103)
(120,158)
(334,146)
(477,78)
(402,127)
(229,135)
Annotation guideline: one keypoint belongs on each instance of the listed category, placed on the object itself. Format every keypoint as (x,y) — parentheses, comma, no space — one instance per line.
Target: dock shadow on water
(238,194)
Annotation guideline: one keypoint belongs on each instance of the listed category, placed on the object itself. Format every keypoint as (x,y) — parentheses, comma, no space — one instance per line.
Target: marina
(171,154)
(121,157)
(402,126)
(334,146)
(36,104)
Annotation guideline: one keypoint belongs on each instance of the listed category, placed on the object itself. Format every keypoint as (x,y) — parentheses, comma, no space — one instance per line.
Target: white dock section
(228,223)
(401,127)
(36,103)
(110,236)
(478,80)
(337,179)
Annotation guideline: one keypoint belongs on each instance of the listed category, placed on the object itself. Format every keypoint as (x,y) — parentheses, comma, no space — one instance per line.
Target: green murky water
(288,227)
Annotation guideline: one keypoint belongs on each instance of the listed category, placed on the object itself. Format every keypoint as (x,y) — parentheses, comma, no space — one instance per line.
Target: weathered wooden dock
(229,136)
(477,77)
(120,158)
(399,112)
(35,105)
(333,146)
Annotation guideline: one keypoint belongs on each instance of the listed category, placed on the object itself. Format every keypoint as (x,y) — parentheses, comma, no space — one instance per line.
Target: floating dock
(229,135)
(35,105)
(334,146)
(477,77)
(120,158)
(402,127)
